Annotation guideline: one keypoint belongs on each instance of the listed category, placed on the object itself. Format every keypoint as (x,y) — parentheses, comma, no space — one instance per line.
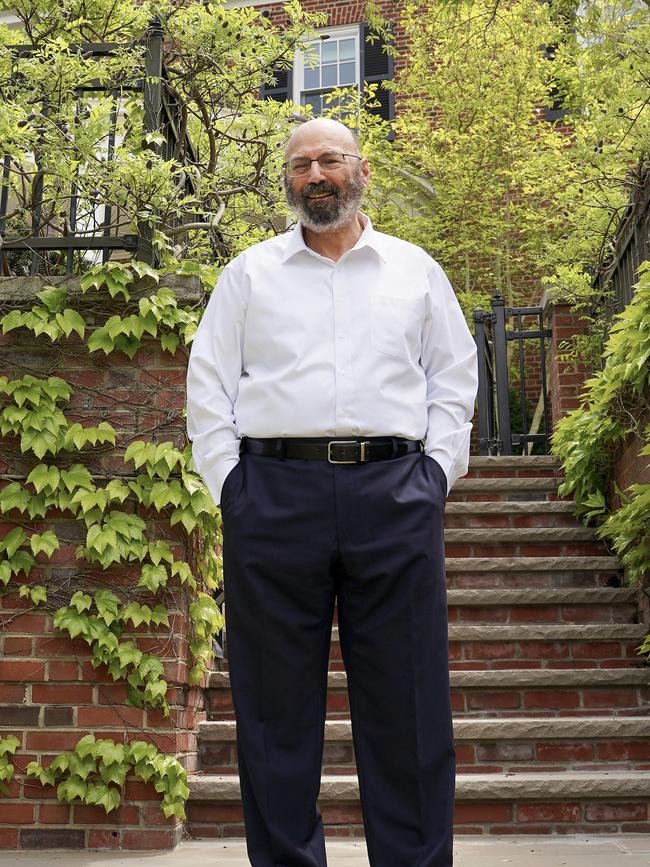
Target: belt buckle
(362,445)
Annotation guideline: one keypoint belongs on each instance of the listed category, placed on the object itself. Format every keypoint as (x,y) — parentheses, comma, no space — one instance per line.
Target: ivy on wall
(586,440)
(118,530)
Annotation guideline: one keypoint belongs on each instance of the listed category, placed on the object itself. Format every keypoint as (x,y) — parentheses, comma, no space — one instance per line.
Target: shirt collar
(369,238)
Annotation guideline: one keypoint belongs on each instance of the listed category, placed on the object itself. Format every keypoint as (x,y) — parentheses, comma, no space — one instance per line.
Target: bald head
(323,132)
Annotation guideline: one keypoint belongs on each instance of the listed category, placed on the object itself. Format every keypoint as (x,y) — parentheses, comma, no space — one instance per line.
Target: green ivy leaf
(70,321)
(12,541)
(46,542)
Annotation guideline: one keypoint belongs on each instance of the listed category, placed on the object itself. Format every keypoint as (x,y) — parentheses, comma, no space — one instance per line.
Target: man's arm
(449,362)
(213,375)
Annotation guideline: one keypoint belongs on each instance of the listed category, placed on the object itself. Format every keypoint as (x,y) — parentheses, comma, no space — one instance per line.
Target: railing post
(501,373)
(484,383)
(152,116)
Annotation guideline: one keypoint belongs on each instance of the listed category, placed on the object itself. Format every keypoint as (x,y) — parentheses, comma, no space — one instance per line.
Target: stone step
(481,729)
(507,507)
(516,462)
(506,487)
(541,596)
(541,605)
(531,564)
(483,745)
(531,786)
(600,802)
(532,692)
(481,645)
(470,632)
(510,513)
(466,542)
(534,678)
(519,535)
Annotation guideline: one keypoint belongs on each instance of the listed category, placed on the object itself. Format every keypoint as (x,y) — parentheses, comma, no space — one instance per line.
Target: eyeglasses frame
(286,167)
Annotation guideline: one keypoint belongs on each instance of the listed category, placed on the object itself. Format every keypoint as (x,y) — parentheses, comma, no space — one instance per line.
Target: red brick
(17,646)
(76,693)
(554,698)
(623,751)
(487,700)
(26,624)
(606,698)
(147,839)
(564,752)
(559,812)
(109,716)
(482,812)
(52,838)
(12,693)
(616,812)
(91,815)
(65,670)
(54,814)
(8,838)
(22,671)
(16,814)
(50,740)
(103,839)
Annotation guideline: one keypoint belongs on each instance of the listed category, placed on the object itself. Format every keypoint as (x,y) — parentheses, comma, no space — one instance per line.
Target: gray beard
(330,216)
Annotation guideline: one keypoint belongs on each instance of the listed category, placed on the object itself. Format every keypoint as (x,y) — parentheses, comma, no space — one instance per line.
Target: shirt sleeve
(213,375)
(449,359)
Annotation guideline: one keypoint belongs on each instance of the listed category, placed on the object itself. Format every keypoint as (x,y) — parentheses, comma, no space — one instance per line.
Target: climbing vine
(96,770)
(121,518)
(617,404)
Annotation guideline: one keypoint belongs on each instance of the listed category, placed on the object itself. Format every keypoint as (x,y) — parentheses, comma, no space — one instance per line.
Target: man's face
(326,200)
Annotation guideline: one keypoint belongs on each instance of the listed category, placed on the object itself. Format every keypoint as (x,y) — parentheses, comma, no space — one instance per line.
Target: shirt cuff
(215,476)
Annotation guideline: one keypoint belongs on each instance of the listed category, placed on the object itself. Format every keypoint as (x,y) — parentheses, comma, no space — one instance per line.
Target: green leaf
(70,321)
(12,541)
(9,745)
(169,342)
(72,788)
(46,541)
(81,601)
(100,339)
(53,298)
(14,497)
(78,476)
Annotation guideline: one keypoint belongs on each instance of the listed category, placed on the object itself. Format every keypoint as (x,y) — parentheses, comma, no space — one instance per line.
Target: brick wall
(50,695)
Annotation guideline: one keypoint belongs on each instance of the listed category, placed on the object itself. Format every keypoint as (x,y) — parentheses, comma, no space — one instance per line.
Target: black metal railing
(615,274)
(496,407)
(162,113)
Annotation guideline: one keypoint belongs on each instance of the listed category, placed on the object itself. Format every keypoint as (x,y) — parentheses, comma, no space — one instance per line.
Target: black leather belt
(359,450)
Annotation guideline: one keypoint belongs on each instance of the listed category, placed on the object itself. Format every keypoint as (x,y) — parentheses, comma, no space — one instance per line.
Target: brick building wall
(50,694)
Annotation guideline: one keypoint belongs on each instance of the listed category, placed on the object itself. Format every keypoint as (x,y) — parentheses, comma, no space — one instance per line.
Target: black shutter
(282,89)
(376,65)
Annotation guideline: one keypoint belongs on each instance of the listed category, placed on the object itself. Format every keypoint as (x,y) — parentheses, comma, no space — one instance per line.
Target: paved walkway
(579,851)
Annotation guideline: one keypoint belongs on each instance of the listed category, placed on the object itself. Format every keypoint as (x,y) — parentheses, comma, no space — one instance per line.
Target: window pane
(328,49)
(315,101)
(346,49)
(312,77)
(347,73)
(329,75)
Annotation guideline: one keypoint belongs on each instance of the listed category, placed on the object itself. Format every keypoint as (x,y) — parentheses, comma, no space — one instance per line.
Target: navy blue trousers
(298,536)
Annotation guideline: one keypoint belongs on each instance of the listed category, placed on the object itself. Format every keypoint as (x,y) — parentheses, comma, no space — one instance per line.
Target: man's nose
(315,173)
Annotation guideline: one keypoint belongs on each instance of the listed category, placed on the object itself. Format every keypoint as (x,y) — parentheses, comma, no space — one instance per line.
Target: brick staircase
(550,697)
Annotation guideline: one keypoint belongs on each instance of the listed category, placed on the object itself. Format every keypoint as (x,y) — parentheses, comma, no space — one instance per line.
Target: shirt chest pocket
(396,325)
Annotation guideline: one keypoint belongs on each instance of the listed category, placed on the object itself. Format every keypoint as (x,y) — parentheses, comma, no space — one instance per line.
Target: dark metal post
(484,382)
(501,372)
(152,117)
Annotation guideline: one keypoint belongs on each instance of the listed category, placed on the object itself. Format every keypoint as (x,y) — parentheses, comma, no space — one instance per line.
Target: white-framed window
(329,60)
(336,57)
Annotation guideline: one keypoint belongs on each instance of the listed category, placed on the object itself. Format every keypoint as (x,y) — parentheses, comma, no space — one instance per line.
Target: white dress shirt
(292,344)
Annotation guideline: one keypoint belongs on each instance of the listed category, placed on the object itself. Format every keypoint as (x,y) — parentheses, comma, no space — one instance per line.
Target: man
(330,390)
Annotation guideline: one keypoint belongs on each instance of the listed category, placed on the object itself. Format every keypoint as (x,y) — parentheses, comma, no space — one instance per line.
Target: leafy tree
(216,59)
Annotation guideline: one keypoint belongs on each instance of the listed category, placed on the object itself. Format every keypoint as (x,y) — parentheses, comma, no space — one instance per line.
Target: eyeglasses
(301,166)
